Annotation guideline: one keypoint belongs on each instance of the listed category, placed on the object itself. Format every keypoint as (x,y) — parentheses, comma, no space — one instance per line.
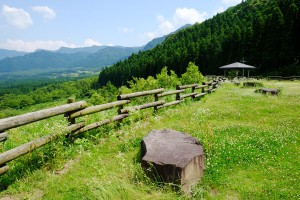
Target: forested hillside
(264,33)
(10,53)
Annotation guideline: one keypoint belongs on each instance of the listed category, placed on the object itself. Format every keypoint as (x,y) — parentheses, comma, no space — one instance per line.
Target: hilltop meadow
(251,144)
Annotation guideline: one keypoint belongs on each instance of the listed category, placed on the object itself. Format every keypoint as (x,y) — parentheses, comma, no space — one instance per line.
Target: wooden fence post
(156,99)
(70,120)
(178,94)
(193,90)
(203,83)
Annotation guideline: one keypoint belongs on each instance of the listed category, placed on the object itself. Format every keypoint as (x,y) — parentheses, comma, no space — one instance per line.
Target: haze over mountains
(10,53)
(66,61)
(67,58)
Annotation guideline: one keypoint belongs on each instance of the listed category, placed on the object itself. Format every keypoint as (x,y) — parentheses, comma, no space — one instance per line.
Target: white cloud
(166,27)
(231,2)
(47,12)
(219,10)
(184,16)
(90,42)
(30,46)
(17,17)
(126,30)
(150,35)
(181,17)
(160,18)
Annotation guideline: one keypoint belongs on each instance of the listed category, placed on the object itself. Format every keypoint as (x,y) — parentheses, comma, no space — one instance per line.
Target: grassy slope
(251,144)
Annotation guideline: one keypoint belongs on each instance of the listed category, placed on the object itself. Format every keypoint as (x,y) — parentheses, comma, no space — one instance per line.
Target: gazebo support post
(237,73)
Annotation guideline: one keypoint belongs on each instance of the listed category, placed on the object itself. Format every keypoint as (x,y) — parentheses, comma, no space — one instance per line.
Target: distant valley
(65,63)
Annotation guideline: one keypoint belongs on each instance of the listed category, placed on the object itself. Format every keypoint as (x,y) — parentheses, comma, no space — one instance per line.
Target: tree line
(264,33)
(25,97)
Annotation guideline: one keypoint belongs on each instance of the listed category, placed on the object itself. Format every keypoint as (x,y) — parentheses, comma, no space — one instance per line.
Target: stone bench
(173,157)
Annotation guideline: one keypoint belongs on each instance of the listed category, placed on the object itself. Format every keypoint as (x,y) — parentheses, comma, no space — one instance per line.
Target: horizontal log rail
(20,120)
(209,90)
(34,144)
(209,83)
(201,86)
(200,95)
(180,87)
(98,124)
(98,108)
(283,77)
(139,94)
(3,169)
(295,77)
(3,136)
(188,95)
(170,104)
(170,93)
(144,106)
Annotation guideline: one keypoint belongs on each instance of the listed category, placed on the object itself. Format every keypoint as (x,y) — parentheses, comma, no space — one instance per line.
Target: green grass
(251,144)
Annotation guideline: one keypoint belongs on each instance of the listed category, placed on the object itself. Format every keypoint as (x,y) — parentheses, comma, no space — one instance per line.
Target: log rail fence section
(74,110)
(291,78)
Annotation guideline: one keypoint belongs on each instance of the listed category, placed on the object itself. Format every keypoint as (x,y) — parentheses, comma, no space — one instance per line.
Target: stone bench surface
(171,147)
(174,157)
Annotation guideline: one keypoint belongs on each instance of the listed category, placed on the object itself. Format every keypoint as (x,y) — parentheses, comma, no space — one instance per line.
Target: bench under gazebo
(237,66)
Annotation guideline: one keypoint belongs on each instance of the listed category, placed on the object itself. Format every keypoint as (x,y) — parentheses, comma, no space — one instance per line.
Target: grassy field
(251,144)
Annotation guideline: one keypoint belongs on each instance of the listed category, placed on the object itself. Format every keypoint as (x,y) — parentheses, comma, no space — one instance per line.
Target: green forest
(17,99)
(264,33)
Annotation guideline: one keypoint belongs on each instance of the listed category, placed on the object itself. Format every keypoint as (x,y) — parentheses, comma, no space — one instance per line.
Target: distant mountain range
(10,53)
(73,58)
(95,56)
(69,60)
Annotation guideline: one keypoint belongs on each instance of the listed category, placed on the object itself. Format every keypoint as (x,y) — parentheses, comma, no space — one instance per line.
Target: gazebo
(237,66)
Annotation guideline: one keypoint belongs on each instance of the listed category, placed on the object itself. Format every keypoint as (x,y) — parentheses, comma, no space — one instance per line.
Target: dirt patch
(37,194)
(66,167)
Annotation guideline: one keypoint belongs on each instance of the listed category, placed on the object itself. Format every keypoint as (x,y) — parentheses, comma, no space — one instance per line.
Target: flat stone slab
(272,91)
(173,156)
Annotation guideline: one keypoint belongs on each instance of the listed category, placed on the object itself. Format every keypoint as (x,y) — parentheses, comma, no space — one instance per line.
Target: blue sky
(27,25)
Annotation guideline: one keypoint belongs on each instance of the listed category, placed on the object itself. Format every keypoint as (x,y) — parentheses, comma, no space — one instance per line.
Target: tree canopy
(264,33)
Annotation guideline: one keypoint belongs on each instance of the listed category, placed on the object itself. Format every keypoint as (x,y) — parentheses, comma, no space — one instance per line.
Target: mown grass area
(251,144)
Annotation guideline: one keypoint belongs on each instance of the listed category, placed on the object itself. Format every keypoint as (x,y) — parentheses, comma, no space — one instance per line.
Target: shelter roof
(237,65)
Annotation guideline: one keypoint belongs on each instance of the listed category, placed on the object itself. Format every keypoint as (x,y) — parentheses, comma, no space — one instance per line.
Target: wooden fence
(291,78)
(74,110)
